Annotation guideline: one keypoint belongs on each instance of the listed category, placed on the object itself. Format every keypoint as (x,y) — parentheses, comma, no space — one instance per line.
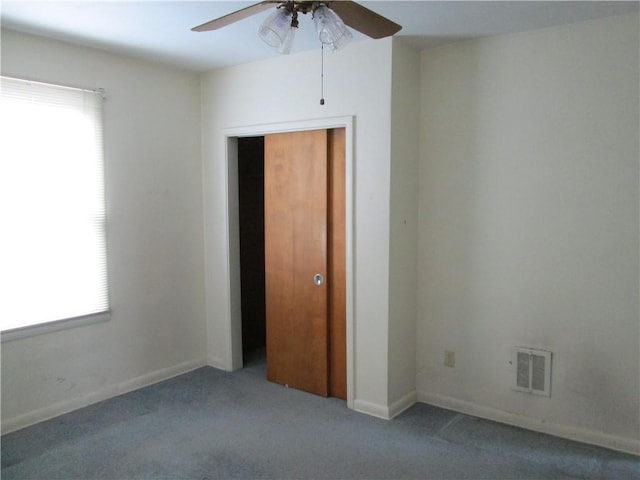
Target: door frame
(233,360)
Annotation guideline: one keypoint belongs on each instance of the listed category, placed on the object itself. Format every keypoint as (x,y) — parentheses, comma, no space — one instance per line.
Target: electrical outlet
(449,358)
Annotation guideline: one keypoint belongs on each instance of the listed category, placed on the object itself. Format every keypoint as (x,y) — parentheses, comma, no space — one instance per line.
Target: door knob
(318,279)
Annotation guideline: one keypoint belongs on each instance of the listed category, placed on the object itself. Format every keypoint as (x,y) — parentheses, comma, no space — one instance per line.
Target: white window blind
(52,204)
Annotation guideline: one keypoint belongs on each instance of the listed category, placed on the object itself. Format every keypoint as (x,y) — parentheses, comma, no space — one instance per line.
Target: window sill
(56,326)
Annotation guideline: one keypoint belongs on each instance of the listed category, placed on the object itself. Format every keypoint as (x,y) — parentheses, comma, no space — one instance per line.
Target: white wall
(529,226)
(155,246)
(287,89)
(403,226)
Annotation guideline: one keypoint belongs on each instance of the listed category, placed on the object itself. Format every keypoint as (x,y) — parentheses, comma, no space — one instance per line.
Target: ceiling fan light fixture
(287,44)
(330,27)
(275,29)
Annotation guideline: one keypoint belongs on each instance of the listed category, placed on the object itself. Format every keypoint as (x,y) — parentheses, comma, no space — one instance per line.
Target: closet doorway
(291,191)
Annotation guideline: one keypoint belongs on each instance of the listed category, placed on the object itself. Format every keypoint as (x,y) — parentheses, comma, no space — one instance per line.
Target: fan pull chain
(321,73)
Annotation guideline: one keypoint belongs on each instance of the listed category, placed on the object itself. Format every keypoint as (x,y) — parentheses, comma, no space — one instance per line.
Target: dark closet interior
(251,219)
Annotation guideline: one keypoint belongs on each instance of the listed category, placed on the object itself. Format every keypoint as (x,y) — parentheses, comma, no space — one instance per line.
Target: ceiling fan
(330,18)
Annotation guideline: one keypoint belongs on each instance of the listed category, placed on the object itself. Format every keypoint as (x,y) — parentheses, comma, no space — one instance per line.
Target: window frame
(55,325)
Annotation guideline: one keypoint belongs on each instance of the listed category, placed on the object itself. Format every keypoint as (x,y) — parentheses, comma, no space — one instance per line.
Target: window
(52,204)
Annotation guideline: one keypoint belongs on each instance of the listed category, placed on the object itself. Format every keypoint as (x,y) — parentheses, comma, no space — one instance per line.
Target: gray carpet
(211,424)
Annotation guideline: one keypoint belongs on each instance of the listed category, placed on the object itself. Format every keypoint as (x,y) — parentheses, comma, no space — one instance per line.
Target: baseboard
(40,415)
(622,444)
(217,362)
(370,408)
(402,404)
(383,411)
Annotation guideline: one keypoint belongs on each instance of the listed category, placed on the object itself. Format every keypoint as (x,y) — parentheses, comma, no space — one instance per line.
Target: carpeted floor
(210,424)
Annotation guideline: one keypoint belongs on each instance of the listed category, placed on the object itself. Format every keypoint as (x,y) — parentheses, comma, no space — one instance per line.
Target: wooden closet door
(337,264)
(295,253)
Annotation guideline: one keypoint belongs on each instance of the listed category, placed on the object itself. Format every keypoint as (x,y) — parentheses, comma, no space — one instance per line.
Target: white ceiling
(161,30)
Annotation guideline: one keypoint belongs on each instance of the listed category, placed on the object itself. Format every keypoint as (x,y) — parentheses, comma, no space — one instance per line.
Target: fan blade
(364,20)
(235,16)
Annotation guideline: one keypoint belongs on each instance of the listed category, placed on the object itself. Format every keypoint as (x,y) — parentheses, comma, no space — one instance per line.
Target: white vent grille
(523,371)
(532,370)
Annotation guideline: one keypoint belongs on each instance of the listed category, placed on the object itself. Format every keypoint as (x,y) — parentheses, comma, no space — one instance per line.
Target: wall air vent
(531,370)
